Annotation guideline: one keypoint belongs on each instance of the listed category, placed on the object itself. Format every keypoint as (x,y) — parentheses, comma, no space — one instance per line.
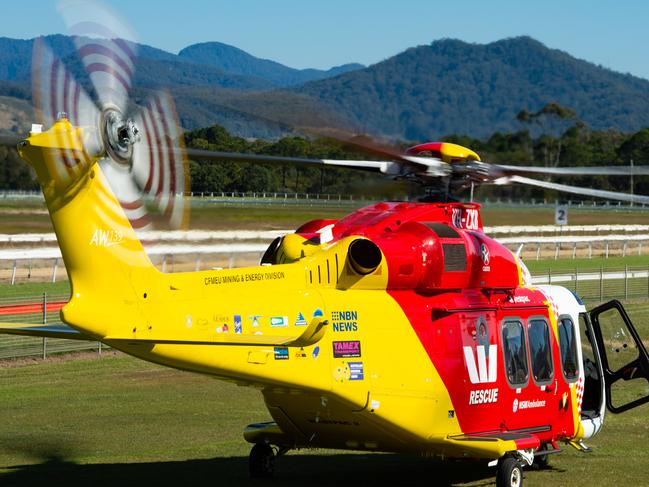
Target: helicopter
(401,327)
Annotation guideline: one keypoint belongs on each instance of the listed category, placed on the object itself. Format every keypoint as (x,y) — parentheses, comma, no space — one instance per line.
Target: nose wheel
(261,462)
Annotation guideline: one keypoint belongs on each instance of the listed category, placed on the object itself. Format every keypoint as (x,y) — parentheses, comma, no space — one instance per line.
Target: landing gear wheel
(510,473)
(261,462)
(541,462)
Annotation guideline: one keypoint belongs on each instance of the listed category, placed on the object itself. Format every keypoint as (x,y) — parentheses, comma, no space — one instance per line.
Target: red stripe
(140,222)
(105,68)
(172,168)
(18,309)
(147,130)
(124,46)
(53,85)
(90,49)
(159,161)
(131,205)
(75,107)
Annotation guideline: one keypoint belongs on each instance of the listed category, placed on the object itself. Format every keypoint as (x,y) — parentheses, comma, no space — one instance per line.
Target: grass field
(115,420)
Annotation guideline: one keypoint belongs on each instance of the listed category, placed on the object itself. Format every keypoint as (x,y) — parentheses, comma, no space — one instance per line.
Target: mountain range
(423,93)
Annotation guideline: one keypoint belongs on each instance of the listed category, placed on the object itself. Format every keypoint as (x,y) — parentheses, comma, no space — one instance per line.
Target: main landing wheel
(261,462)
(510,473)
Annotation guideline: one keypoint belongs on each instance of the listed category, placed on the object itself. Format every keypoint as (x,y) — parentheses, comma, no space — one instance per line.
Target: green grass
(34,288)
(117,420)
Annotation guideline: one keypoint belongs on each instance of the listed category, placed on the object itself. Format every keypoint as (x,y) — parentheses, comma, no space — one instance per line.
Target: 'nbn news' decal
(342,321)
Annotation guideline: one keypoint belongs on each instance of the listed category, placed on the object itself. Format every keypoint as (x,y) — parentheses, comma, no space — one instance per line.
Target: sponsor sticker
(238,328)
(533,404)
(300,320)
(318,313)
(355,370)
(347,349)
(281,353)
(278,321)
(316,352)
(345,320)
(254,319)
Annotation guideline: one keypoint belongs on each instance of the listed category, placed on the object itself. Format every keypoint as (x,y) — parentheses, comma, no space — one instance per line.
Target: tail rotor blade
(56,93)
(159,161)
(128,194)
(106,48)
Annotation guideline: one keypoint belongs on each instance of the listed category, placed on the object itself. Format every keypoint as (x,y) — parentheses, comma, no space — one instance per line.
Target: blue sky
(324,33)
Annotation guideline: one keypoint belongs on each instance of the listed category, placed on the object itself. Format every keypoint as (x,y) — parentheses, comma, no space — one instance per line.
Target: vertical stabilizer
(104,258)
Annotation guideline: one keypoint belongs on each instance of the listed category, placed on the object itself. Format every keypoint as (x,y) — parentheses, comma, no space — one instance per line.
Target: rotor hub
(119,135)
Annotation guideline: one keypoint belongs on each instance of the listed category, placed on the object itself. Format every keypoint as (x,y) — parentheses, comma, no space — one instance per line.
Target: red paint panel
(452,327)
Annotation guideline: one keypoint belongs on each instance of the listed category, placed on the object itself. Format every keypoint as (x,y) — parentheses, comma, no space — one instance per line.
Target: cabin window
(538,333)
(568,348)
(515,353)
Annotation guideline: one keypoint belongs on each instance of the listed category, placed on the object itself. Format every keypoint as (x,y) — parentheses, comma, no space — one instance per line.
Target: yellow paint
(188,321)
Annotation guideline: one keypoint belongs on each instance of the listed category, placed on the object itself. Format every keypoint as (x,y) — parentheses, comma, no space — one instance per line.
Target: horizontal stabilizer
(47,331)
(311,335)
(494,444)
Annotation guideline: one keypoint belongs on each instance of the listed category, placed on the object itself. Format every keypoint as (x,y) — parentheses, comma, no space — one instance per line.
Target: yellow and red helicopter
(401,327)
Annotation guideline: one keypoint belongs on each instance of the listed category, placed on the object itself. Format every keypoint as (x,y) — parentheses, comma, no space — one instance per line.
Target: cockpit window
(515,353)
(540,351)
(568,348)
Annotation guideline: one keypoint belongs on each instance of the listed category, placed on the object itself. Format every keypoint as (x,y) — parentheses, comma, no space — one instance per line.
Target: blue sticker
(237,324)
(318,313)
(316,351)
(281,353)
(356,370)
(300,320)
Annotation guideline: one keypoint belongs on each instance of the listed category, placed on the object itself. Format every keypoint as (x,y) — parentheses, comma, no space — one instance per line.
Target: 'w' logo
(485,370)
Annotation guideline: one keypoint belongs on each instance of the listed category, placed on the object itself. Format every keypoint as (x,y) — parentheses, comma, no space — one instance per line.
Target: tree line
(553,136)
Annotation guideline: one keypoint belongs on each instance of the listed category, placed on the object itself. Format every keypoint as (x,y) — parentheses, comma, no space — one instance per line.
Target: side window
(515,353)
(540,350)
(568,348)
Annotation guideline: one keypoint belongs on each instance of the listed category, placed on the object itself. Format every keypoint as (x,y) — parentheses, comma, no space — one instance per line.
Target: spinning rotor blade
(159,164)
(105,48)
(384,167)
(10,140)
(597,193)
(577,171)
(55,92)
(127,193)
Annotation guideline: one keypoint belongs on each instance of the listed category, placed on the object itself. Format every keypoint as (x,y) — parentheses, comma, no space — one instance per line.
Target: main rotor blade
(576,171)
(597,193)
(10,140)
(385,167)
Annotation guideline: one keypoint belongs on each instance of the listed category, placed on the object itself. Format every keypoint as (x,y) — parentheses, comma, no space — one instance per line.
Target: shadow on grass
(292,469)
